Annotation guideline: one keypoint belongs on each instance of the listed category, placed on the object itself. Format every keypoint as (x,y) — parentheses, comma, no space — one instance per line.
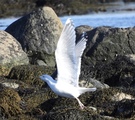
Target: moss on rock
(9,102)
(30,73)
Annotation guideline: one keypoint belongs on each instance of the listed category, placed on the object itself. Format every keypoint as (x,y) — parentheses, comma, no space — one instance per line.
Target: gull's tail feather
(83,90)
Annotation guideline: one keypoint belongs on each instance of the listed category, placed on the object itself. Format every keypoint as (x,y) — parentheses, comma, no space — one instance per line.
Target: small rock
(10,85)
(120,96)
(109,118)
(93,83)
(93,108)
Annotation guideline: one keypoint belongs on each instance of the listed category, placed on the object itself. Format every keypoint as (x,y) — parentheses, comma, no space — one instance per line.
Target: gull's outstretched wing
(65,54)
(79,48)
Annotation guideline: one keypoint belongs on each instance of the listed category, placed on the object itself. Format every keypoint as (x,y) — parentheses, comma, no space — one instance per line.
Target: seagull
(68,59)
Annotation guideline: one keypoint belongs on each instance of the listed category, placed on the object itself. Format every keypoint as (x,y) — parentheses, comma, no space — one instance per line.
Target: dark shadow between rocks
(48,105)
(124,109)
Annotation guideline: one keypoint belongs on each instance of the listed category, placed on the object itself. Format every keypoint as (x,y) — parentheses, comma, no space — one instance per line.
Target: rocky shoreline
(27,51)
(19,8)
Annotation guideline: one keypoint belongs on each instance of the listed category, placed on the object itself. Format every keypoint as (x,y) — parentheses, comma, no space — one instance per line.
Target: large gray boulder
(106,43)
(38,33)
(11,53)
(109,56)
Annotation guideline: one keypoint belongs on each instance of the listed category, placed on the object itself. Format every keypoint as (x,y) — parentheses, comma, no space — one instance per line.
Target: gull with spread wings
(68,59)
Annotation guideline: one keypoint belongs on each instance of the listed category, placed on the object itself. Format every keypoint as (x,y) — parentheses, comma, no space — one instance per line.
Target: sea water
(112,19)
(119,19)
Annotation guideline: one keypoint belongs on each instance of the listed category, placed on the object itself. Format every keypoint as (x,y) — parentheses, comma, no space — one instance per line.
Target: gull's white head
(46,78)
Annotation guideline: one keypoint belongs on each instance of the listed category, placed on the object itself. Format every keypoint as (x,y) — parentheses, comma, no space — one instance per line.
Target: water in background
(116,19)
(5,22)
(119,19)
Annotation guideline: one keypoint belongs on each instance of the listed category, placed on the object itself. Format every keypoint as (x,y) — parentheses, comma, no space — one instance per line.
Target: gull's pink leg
(81,105)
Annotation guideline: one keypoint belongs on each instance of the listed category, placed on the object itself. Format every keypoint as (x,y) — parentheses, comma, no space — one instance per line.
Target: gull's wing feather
(65,54)
(79,48)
